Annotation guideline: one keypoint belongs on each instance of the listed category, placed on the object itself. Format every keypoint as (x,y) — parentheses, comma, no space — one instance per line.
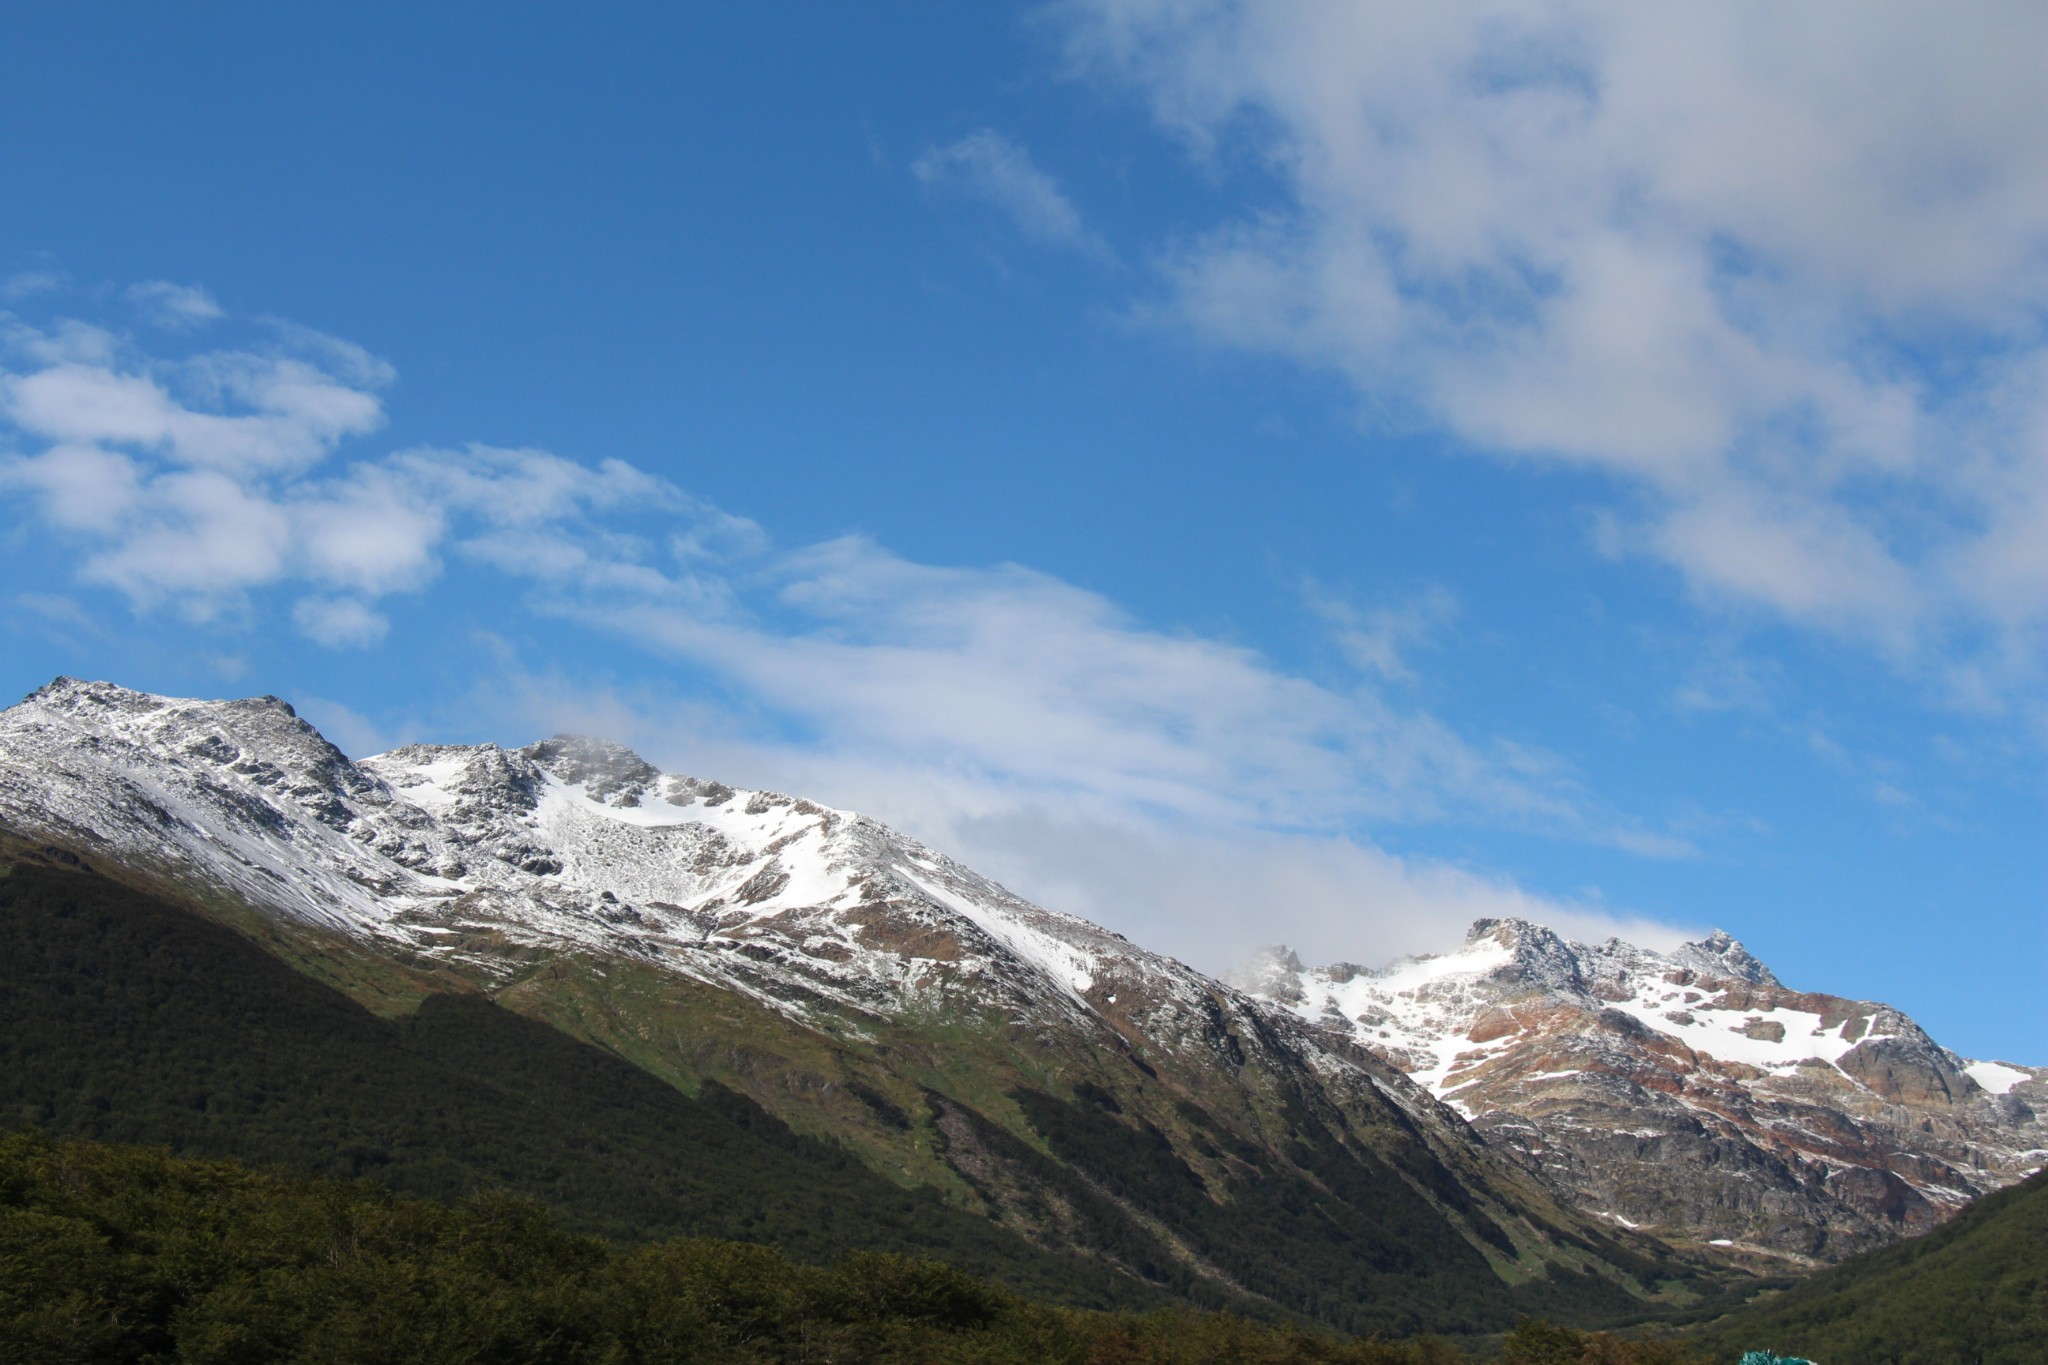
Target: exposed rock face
(844,975)
(1689,1093)
(1718,954)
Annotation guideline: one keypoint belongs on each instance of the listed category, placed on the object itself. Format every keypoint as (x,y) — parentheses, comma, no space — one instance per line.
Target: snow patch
(1997,1077)
(1066,963)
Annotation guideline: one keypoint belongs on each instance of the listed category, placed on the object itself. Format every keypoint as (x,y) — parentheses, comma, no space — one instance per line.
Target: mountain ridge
(1825,1125)
(1100,1099)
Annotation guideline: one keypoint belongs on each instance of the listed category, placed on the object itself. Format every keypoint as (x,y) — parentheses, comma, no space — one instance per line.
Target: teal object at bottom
(1767,1358)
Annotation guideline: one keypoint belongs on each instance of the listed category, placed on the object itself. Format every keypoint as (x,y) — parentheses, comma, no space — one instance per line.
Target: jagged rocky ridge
(1690,1093)
(1096,1097)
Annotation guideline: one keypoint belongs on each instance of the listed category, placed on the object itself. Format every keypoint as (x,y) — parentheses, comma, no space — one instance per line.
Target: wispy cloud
(990,167)
(1807,329)
(340,622)
(1379,640)
(1009,672)
(355,733)
(29,284)
(1204,889)
(173,305)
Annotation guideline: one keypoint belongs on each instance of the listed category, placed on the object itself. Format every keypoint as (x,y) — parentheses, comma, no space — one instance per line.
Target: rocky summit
(1688,1093)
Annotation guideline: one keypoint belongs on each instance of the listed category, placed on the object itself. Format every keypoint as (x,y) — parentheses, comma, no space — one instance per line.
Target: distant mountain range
(1093,1104)
(1690,1093)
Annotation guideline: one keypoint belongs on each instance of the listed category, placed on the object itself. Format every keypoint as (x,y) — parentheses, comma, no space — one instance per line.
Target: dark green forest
(1972,1292)
(122,1255)
(125,1019)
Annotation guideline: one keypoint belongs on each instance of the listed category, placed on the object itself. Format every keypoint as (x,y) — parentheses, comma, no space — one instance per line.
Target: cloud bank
(1780,272)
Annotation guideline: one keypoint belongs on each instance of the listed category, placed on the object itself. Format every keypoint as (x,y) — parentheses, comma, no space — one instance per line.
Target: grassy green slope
(123,1018)
(1972,1292)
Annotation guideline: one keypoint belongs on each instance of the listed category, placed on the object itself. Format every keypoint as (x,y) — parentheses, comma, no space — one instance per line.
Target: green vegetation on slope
(113,1255)
(125,1018)
(122,1018)
(1334,1235)
(1972,1292)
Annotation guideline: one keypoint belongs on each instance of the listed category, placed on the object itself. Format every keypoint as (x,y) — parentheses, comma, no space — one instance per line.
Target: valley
(663,1005)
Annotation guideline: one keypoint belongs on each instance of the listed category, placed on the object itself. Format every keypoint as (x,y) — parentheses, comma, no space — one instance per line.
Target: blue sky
(1239,471)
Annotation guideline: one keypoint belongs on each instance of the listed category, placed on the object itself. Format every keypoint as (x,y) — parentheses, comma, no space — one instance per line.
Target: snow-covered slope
(475,853)
(1690,1092)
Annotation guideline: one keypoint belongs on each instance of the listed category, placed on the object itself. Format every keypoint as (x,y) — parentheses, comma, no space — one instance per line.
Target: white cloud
(340,622)
(992,168)
(173,305)
(526,488)
(1378,640)
(196,540)
(82,487)
(1209,893)
(1721,679)
(63,341)
(1805,558)
(1780,270)
(1011,672)
(370,531)
(292,414)
(58,609)
(193,482)
(1205,886)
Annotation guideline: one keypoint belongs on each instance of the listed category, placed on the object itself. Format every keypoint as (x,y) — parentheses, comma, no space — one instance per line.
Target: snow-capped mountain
(851,980)
(484,857)
(1689,1092)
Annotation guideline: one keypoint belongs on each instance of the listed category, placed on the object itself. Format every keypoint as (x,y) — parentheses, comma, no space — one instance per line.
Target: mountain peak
(1538,954)
(609,772)
(1507,930)
(65,693)
(1687,1090)
(572,843)
(1722,952)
